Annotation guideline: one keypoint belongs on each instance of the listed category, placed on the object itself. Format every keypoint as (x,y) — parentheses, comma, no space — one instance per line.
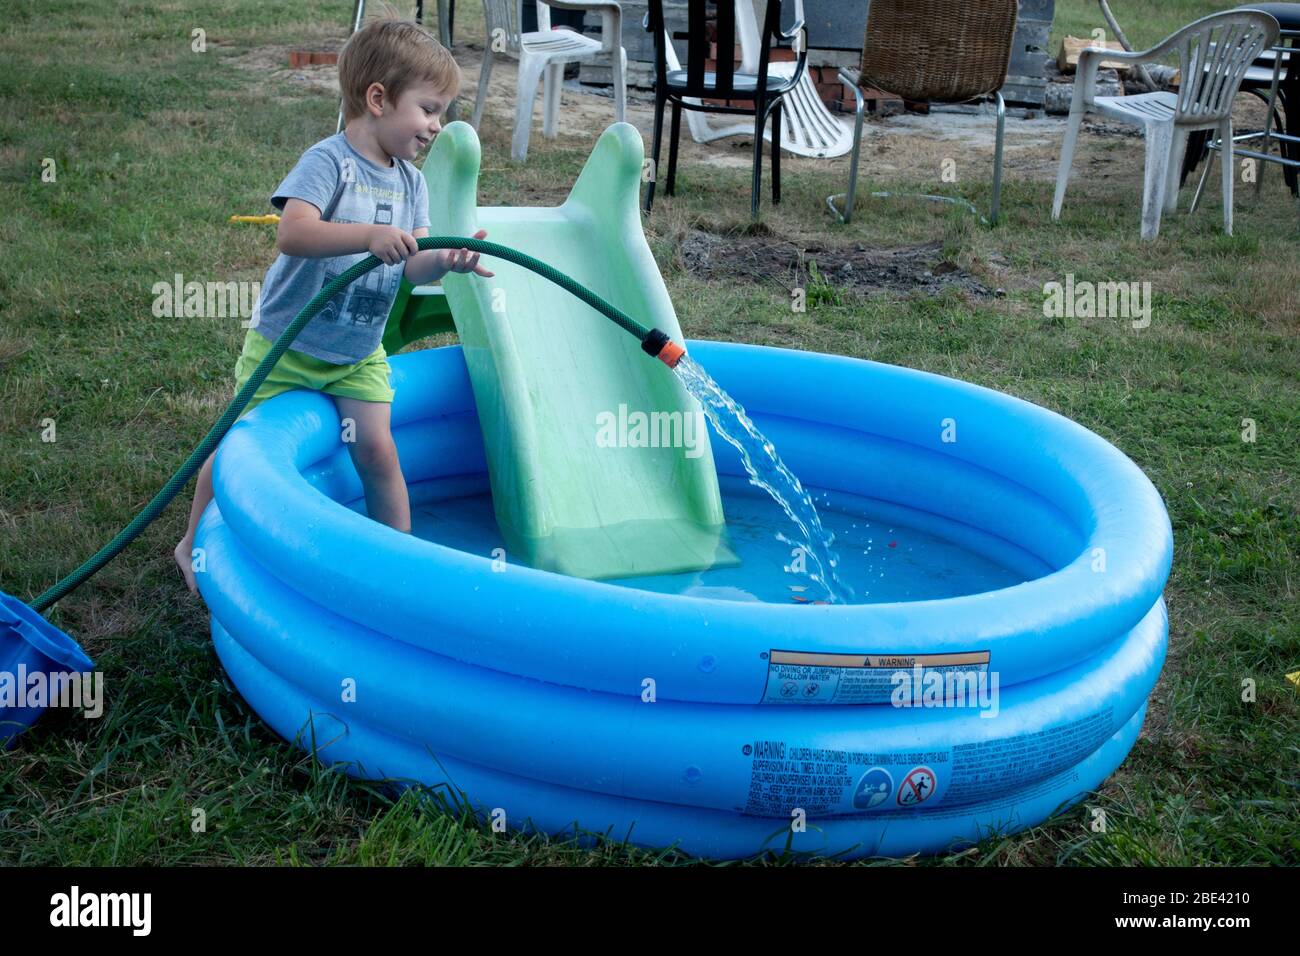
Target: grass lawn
(155,145)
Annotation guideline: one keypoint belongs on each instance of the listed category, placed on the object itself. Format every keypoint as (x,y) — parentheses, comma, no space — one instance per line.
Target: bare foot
(183,555)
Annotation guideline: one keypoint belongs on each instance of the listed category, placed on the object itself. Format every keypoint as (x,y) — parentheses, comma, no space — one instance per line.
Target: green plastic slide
(599,459)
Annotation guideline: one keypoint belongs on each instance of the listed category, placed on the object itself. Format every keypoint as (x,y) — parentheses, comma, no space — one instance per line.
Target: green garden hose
(653,342)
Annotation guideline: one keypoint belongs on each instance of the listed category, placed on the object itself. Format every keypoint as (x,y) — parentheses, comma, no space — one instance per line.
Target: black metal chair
(723,83)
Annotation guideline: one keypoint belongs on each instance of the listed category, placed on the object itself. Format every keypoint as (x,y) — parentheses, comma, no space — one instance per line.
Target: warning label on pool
(801,677)
(784,776)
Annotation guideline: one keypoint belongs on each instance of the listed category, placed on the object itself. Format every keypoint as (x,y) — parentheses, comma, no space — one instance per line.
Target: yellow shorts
(367,380)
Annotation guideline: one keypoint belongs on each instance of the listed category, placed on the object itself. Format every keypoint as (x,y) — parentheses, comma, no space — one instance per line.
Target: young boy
(352,194)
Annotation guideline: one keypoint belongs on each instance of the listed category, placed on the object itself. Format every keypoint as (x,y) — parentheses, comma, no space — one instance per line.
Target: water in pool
(880,559)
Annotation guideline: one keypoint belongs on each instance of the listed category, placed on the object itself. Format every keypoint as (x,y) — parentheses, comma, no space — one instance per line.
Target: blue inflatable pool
(721,727)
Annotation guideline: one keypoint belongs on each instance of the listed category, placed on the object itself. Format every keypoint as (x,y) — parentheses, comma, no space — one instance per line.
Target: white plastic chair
(547,51)
(808,128)
(1213,56)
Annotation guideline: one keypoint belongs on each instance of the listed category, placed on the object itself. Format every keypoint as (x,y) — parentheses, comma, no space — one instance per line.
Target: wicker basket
(945,51)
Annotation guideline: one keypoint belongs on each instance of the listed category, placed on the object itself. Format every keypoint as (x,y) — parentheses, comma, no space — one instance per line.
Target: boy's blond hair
(397,53)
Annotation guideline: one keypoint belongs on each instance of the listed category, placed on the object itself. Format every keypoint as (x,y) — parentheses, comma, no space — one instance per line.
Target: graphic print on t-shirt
(365,301)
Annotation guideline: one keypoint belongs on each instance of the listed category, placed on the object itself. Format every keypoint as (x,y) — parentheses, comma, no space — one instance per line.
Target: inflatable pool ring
(571,705)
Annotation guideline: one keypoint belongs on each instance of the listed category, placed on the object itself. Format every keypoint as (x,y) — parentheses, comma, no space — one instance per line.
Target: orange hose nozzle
(671,354)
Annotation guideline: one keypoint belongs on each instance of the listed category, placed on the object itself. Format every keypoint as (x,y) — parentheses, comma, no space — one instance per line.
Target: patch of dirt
(856,268)
(272,63)
(1111,129)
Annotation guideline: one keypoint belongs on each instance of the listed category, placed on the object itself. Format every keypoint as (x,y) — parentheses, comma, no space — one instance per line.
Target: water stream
(768,472)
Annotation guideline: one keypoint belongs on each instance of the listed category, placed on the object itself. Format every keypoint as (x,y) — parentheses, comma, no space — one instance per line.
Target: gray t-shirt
(345,187)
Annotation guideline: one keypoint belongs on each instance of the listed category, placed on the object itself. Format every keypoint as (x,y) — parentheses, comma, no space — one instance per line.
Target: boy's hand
(461,260)
(390,245)
(433,264)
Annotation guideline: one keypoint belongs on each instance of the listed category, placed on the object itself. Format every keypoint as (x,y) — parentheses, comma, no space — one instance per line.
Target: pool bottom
(887,553)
